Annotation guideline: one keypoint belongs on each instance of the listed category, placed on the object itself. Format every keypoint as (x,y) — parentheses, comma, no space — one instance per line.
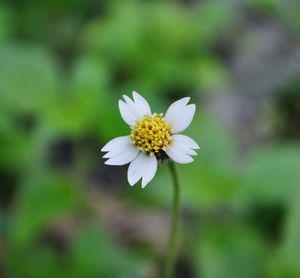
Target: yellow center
(151,134)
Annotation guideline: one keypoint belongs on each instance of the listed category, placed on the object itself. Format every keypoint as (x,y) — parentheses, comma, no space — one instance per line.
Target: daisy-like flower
(153,137)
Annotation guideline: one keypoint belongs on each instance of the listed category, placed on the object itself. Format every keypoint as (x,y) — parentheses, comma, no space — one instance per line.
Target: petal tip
(121,102)
(187,99)
(193,105)
(144,184)
(131,183)
(104,148)
(106,155)
(135,93)
(191,160)
(126,99)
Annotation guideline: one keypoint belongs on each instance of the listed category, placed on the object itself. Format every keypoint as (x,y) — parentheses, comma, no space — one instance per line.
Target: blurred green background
(63,66)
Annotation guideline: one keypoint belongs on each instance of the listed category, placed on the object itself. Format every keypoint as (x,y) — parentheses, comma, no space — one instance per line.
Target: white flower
(153,137)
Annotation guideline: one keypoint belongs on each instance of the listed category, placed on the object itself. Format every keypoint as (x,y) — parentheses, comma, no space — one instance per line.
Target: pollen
(151,134)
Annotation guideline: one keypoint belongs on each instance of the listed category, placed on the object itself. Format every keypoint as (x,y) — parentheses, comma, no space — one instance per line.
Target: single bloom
(153,137)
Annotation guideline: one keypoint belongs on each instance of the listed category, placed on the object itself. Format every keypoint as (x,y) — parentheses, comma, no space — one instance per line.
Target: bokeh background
(63,66)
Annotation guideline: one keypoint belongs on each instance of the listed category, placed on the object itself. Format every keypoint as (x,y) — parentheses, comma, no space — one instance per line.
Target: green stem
(172,245)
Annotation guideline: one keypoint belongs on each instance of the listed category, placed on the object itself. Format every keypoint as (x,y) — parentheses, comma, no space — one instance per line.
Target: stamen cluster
(151,134)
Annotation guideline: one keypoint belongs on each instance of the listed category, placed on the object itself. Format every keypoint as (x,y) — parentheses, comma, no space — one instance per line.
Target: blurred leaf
(272,174)
(34,262)
(211,74)
(14,146)
(77,110)
(5,22)
(28,78)
(213,18)
(94,255)
(230,252)
(288,12)
(162,47)
(286,261)
(211,179)
(42,201)
(266,6)
(88,107)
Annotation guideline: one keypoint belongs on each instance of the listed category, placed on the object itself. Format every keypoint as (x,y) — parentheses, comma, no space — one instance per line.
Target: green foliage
(231,252)
(5,22)
(288,252)
(161,43)
(63,67)
(272,174)
(93,255)
(28,78)
(41,201)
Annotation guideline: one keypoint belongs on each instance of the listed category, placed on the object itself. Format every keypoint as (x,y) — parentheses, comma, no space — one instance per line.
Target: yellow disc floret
(151,134)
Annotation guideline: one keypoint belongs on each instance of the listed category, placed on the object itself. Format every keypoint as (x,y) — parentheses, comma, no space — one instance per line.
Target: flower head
(153,137)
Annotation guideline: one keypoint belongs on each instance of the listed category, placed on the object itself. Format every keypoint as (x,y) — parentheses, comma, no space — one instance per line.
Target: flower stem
(172,244)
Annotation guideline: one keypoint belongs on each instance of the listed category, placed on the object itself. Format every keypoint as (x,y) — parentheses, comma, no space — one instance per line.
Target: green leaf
(272,174)
(42,201)
(34,262)
(93,254)
(28,78)
(211,179)
(5,22)
(287,257)
(226,252)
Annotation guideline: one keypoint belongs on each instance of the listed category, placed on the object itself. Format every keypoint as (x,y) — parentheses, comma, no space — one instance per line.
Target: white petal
(186,141)
(184,118)
(171,114)
(183,144)
(150,167)
(116,143)
(144,166)
(135,169)
(188,151)
(132,107)
(108,155)
(126,113)
(178,155)
(128,154)
(179,115)
(141,104)
(115,152)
